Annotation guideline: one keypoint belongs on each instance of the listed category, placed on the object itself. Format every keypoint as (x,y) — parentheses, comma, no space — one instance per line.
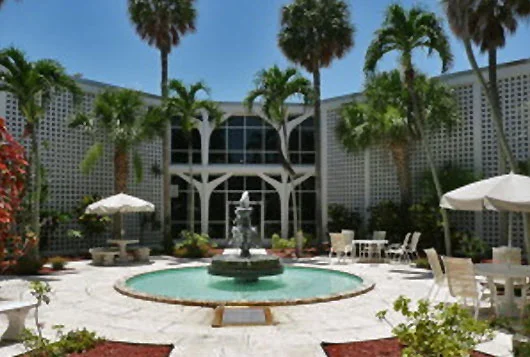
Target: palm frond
(138,166)
(93,154)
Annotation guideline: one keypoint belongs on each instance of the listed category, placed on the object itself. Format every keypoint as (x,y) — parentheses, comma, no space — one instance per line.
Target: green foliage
(195,245)
(422,263)
(439,330)
(76,341)
(27,265)
(390,217)
(57,263)
(284,243)
(50,221)
(470,246)
(341,217)
(91,224)
(451,177)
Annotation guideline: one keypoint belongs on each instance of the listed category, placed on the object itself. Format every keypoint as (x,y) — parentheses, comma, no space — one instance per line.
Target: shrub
(341,218)
(439,330)
(57,263)
(283,243)
(194,246)
(423,263)
(470,246)
(390,217)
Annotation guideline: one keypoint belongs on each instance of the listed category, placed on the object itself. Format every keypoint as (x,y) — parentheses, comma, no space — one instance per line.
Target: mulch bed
(290,253)
(122,349)
(387,347)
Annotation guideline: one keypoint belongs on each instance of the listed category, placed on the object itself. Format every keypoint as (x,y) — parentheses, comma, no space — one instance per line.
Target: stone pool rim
(122,287)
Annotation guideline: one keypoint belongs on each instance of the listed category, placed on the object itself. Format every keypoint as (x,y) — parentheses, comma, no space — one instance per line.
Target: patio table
(122,244)
(373,245)
(507,272)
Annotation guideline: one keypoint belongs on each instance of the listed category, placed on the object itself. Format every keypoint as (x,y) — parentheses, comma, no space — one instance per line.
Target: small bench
(103,256)
(141,254)
(16,312)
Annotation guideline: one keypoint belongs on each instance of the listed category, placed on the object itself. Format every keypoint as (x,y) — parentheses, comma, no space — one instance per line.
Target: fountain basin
(245,269)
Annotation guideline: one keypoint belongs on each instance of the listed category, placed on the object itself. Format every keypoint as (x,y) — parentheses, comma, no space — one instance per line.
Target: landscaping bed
(387,347)
(120,349)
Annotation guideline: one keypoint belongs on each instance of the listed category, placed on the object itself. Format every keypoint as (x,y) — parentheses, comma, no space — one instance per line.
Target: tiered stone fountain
(245,267)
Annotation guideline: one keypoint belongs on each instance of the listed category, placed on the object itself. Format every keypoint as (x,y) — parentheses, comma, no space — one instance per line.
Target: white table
(507,272)
(374,245)
(122,244)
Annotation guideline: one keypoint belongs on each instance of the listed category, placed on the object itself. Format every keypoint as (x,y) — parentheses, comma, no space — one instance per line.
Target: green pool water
(194,283)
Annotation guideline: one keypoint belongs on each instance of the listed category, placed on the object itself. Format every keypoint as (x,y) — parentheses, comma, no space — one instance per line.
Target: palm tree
(382,120)
(314,33)
(34,84)
(185,106)
(275,87)
(123,118)
(162,23)
(404,31)
(486,23)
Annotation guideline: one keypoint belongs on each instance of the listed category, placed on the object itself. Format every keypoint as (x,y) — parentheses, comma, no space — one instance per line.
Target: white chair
(412,249)
(396,250)
(338,246)
(437,272)
(379,235)
(463,284)
(349,236)
(370,250)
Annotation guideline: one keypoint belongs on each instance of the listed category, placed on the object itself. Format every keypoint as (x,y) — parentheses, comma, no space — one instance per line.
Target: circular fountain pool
(194,286)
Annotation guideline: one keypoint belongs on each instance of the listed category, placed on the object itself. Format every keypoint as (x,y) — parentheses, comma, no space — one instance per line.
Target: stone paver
(85,297)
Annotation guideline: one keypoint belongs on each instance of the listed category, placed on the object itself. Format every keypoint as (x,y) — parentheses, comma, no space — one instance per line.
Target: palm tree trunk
(121,173)
(36,180)
(191,200)
(418,115)
(400,155)
(496,110)
(166,157)
(319,224)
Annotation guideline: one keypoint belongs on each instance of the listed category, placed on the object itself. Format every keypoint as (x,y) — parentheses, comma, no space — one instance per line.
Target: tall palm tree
(404,31)
(274,88)
(314,33)
(162,23)
(34,84)
(123,118)
(381,119)
(185,105)
(487,23)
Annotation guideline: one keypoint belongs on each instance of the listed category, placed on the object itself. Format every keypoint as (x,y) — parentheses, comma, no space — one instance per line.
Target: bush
(390,217)
(422,263)
(341,218)
(283,243)
(75,341)
(194,246)
(439,330)
(57,263)
(470,246)
(28,265)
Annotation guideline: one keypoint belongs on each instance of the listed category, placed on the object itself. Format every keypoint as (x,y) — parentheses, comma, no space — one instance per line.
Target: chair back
(379,235)
(406,241)
(434,262)
(507,255)
(338,243)
(461,277)
(349,236)
(414,241)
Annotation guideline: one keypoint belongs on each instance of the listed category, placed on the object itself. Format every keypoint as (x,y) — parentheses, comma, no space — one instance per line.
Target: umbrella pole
(121,225)
(526,225)
(510,228)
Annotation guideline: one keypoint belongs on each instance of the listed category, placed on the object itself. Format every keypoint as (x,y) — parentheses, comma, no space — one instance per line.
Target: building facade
(243,154)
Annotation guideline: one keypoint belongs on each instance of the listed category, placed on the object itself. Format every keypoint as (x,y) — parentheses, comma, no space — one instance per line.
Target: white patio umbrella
(509,192)
(120,203)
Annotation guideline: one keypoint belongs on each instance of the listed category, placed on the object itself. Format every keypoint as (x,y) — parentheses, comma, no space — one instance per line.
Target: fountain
(245,267)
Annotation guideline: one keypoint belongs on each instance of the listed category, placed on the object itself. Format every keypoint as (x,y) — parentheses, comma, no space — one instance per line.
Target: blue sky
(234,39)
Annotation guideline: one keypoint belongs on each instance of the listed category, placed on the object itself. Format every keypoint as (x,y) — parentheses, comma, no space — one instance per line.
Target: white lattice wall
(63,149)
(364,179)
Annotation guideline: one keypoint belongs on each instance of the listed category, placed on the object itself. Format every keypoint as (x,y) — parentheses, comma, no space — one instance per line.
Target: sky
(234,40)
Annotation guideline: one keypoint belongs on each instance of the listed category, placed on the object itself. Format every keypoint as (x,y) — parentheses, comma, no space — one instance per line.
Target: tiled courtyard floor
(85,297)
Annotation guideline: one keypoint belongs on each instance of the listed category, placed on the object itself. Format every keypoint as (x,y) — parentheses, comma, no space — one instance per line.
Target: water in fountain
(245,267)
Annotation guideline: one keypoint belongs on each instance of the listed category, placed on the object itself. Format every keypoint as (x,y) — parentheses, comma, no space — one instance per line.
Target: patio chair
(349,236)
(437,272)
(368,251)
(338,246)
(412,249)
(463,284)
(396,249)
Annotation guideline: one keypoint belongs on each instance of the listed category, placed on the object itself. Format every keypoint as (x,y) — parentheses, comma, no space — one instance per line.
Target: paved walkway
(84,297)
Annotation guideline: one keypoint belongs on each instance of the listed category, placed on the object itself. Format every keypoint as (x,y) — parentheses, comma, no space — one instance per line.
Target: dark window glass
(272,158)
(308,184)
(178,140)
(179,158)
(217,231)
(236,158)
(218,140)
(294,140)
(217,158)
(271,139)
(272,206)
(235,139)
(253,157)
(272,228)
(308,140)
(236,183)
(197,158)
(217,207)
(308,206)
(295,157)
(254,121)
(253,183)
(233,197)
(254,139)
(235,121)
(182,184)
(179,211)
(196,140)
(308,159)
(308,123)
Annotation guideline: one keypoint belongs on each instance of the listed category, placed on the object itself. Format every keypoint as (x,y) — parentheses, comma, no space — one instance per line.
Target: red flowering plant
(12,178)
